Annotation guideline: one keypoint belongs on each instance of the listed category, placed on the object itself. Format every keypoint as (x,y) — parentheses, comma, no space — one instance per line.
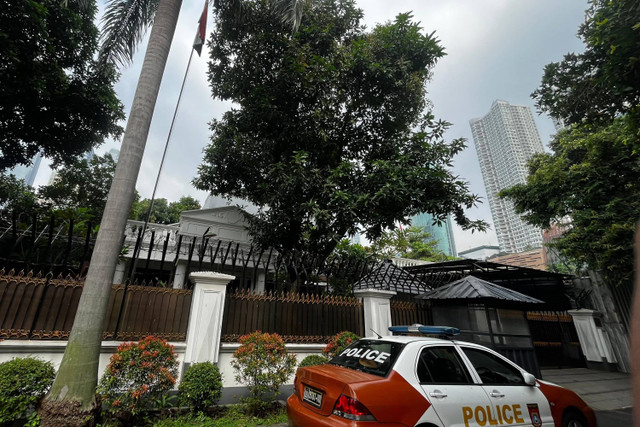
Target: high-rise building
(115,153)
(505,139)
(443,234)
(28,173)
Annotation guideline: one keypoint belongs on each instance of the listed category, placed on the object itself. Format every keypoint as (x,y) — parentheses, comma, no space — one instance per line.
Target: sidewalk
(603,391)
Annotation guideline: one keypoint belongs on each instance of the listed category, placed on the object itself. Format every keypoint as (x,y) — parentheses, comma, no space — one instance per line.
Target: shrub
(339,342)
(313,360)
(263,364)
(201,386)
(23,382)
(137,375)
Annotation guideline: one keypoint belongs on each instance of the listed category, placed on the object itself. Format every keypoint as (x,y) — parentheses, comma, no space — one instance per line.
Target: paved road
(617,418)
(608,393)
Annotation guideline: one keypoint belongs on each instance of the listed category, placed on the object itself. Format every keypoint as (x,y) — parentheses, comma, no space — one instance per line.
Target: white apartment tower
(505,139)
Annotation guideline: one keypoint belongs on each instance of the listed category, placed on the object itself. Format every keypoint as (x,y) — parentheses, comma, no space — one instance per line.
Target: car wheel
(573,419)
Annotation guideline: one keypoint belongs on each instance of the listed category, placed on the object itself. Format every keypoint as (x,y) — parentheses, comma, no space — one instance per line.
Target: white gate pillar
(377,310)
(594,341)
(205,317)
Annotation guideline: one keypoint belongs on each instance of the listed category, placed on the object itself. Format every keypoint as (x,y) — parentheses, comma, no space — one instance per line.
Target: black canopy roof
(543,285)
(472,289)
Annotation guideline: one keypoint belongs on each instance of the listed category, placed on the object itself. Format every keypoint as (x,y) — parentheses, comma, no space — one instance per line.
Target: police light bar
(424,329)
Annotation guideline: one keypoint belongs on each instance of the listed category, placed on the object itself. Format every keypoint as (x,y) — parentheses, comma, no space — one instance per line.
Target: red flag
(202,29)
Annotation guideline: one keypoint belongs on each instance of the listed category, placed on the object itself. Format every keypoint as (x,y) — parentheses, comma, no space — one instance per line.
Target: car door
(512,401)
(449,387)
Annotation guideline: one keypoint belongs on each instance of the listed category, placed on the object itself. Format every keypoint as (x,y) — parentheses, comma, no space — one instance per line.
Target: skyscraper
(443,234)
(505,139)
(28,173)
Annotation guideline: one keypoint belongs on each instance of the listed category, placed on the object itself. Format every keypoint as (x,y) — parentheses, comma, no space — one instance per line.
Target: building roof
(473,289)
(389,277)
(547,286)
(531,259)
(478,248)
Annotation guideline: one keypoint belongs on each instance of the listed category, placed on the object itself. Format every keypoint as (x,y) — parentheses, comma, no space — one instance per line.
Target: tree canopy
(15,195)
(81,183)
(591,184)
(604,81)
(163,212)
(53,96)
(331,130)
(410,242)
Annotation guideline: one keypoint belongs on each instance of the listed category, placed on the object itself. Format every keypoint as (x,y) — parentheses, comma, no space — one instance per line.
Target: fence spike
(20,274)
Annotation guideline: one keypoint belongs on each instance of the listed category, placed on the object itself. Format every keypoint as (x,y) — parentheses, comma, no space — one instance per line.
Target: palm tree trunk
(76,381)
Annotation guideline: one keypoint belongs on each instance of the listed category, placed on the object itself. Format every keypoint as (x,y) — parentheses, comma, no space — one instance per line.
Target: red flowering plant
(338,343)
(262,363)
(137,375)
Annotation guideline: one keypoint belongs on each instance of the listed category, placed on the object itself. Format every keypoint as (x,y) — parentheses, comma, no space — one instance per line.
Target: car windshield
(370,356)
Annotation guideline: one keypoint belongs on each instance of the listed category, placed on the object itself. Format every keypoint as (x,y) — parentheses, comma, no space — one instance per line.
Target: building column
(205,318)
(594,341)
(259,285)
(118,276)
(377,310)
(178,278)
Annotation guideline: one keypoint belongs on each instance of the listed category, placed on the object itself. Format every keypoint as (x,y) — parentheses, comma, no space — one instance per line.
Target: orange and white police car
(428,382)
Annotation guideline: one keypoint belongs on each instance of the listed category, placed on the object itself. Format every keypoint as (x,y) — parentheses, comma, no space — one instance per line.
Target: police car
(427,382)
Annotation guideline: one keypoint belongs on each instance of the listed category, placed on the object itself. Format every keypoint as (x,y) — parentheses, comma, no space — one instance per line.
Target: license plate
(312,397)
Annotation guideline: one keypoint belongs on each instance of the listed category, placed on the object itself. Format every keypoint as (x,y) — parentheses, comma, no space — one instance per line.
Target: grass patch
(232,416)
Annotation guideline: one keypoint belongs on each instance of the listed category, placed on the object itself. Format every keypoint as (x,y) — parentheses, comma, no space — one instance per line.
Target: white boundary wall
(53,351)
(203,341)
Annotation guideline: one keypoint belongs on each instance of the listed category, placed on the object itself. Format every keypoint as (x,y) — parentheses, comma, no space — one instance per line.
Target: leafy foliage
(201,386)
(23,382)
(138,373)
(410,242)
(16,196)
(262,364)
(604,81)
(124,24)
(163,212)
(339,342)
(329,133)
(313,360)
(592,182)
(81,184)
(53,96)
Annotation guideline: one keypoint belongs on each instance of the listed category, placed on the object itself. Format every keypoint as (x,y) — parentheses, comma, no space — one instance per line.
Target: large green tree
(81,183)
(603,81)
(332,131)
(591,184)
(54,98)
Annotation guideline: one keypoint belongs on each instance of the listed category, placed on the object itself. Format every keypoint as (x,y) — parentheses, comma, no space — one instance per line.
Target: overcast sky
(496,49)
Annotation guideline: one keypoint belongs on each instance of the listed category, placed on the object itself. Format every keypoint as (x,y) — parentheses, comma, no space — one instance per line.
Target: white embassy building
(505,139)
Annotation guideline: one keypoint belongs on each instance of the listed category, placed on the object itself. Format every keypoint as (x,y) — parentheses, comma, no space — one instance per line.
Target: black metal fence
(63,245)
(55,243)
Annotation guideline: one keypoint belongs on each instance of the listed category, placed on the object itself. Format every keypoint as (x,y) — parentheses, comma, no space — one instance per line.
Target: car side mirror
(529,379)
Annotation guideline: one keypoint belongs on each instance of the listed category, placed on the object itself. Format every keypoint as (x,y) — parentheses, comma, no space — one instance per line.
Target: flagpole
(132,271)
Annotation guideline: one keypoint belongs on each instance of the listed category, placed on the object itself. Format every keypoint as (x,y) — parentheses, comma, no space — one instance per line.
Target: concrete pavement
(603,391)
(608,393)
